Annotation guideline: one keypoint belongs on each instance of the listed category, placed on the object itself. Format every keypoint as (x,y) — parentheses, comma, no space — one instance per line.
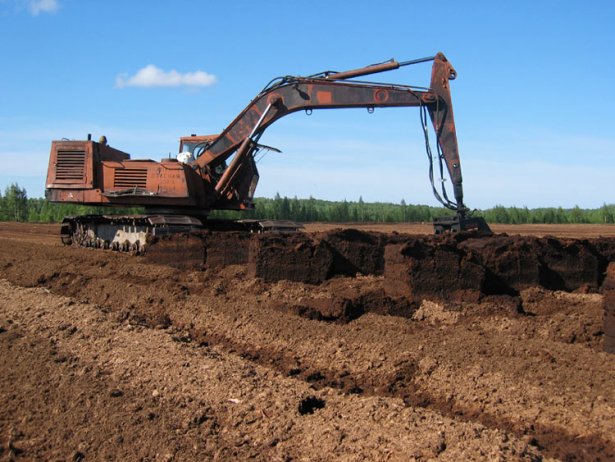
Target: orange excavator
(178,193)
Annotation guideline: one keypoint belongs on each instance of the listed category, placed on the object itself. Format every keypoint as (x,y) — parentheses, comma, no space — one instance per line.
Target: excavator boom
(332,91)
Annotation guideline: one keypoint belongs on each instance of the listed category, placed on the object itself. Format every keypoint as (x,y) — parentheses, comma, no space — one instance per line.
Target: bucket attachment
(459,223)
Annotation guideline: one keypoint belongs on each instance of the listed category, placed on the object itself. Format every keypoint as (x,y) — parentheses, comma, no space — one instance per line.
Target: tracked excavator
(178,193)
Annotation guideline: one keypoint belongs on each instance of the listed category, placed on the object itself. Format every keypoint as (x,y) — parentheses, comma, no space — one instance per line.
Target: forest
(16,206)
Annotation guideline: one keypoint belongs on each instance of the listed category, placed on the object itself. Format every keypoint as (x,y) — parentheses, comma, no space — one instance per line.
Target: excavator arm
(332,91)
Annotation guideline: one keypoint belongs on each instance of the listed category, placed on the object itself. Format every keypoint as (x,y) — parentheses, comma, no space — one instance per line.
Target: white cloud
(36,7)
(153,76)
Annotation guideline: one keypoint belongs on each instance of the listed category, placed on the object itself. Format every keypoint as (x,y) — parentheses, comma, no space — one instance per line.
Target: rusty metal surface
(373,69)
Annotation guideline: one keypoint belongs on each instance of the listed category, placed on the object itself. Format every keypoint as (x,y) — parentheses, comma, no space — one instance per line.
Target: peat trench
(454,269)
(552,441)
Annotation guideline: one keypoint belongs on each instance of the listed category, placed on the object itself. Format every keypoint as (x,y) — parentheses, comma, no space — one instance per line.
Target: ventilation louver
(70,165)
(130,178)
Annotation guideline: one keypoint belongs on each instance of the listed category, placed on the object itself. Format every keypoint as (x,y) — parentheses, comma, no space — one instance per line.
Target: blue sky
(533,99)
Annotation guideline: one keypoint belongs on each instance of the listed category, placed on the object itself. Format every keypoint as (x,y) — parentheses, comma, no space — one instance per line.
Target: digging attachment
(459,223)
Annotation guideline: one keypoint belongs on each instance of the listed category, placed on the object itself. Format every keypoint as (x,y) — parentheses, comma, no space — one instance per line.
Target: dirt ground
(573,231)
(105,356)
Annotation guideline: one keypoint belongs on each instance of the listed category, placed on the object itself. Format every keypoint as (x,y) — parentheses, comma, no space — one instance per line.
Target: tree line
(311,210)
(16,206)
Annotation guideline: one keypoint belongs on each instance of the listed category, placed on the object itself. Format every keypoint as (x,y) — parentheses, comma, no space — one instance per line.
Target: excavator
(218,172)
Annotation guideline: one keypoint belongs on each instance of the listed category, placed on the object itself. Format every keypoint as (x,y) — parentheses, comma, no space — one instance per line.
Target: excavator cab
(191,147)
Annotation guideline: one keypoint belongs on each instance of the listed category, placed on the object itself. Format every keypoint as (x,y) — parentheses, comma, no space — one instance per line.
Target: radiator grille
(70,165)
(130,178)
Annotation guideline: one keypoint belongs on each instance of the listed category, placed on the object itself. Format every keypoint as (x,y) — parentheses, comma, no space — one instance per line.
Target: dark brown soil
(109,356)
(609,309)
